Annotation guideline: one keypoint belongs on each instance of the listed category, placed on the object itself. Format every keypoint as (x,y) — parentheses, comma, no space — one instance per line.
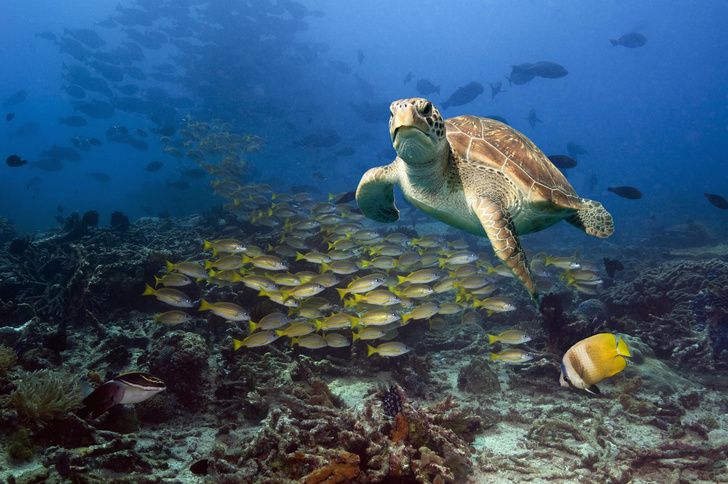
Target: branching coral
(7,360)
(45,395)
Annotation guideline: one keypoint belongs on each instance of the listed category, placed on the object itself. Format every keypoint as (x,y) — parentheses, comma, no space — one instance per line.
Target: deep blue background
(653,117)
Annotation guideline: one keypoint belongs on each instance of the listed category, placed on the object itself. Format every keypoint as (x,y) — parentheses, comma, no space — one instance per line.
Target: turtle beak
(405,118)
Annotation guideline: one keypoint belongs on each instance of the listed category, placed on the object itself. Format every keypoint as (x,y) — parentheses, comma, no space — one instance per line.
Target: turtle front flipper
(501,231)
(594,220)
(375,194)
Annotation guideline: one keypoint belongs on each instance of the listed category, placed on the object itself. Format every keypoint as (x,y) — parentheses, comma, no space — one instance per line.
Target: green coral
(44,395)
(21,447)
(8,358)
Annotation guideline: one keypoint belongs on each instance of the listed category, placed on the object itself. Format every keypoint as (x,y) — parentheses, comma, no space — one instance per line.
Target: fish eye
(426,109)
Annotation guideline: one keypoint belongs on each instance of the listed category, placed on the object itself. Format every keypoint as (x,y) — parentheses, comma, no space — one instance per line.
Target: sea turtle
(478,175)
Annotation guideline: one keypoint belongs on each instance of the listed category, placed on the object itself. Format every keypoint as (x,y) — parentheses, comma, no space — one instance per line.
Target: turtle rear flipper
(375,194)
(501,231)
(594,220)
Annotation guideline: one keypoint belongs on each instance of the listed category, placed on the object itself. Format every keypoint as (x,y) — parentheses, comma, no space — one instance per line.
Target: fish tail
(157,280)
(622,348)
(371,350)
(204,305)
(492,339)
(170,266)
(299,256)
(157,317)
(237,344)
(342,292)
(614,42)
(252,325)
(148,291)
(208,244)
(494,356)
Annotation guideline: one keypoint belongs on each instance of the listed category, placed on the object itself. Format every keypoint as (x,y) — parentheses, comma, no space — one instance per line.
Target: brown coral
(345,469)
(400,430)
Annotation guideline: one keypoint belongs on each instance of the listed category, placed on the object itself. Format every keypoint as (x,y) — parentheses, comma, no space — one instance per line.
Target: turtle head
(417,130)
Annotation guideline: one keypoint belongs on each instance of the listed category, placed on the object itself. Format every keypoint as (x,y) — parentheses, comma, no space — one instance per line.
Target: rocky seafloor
(71,309)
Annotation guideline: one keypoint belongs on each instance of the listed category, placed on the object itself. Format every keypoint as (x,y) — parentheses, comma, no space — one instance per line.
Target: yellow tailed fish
(510,337)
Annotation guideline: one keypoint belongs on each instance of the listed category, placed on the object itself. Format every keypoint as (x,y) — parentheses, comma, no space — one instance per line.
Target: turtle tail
(594,219)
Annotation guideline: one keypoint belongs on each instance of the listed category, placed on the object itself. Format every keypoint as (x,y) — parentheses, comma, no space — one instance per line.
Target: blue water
(653,117)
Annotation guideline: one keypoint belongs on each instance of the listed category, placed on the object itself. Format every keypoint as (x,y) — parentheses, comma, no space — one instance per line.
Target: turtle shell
(494,144)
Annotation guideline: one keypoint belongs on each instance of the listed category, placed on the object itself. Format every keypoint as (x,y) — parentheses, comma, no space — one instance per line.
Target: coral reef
(180,359)
(8,230)
(8,358)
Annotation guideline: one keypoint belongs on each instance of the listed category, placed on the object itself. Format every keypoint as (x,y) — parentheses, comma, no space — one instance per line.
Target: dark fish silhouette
(100,177)
(179,185)
(717,200)
(340,66)
(75,91)
(575,150)
(319,176)
(15,161)
(520,74)
(75,121)
(27,129)
(347,197)
(498,118)
(496,89)
(9,116)
(360,56)
(631,40)
(426,88)
(464,95)
(612,266)
(94,141)
(95,109)
(533,118)
(626,192)
(15,99)
(563,161)
(154,166)
(408,77)
(548,70)
(46,35)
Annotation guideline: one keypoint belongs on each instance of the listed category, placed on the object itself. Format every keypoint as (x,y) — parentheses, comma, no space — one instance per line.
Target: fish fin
(614,42)
(622,348)
(593,389)
(493,356)
(237,344)
(148,290)
(492,339)
(371,350)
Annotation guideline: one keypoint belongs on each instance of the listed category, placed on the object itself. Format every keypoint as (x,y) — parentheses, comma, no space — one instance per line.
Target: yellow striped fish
(593,359)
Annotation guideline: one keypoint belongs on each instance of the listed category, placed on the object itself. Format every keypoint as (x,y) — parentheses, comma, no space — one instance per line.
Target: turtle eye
(426,109)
